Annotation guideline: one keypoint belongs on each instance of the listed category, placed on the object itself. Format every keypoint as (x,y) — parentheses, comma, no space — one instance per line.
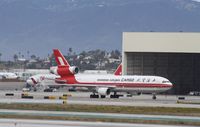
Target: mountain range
(38,26)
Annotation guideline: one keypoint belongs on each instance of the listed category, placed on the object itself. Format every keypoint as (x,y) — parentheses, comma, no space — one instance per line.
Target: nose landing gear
(154,96)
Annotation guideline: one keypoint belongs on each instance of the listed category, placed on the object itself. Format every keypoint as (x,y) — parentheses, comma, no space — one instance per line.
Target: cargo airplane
(103,85)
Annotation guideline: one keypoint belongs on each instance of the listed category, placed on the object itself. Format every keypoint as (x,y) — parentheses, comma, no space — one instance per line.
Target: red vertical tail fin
(60,59)
(66,71)
(119,70)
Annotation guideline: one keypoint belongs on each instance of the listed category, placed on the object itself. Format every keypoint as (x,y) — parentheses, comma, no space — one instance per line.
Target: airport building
(175,56)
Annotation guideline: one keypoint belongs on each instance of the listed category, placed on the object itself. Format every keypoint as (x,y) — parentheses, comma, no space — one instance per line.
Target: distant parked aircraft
(43,81)
(8,75)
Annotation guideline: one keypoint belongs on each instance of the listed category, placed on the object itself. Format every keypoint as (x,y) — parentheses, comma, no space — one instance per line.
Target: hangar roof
(179,42)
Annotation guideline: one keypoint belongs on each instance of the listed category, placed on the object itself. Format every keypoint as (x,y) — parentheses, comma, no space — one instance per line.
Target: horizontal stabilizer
(61,81)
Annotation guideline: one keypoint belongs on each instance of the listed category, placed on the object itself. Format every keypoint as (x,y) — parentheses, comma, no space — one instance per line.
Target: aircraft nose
(170,85)
(30,82)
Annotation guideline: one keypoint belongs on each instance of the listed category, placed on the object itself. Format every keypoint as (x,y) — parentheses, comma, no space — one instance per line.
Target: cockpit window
(165,81)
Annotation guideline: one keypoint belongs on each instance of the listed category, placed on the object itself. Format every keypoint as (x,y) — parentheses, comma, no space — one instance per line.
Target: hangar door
(182,69)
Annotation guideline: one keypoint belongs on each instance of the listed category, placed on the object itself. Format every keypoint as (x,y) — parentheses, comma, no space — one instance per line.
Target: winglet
(60,59)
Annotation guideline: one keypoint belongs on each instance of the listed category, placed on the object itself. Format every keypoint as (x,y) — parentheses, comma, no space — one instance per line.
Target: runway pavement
(83,98)
(12,85)
(58,123)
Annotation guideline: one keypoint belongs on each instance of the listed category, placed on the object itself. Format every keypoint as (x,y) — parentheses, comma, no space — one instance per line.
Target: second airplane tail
(63,69)
(60,59)
(119,70)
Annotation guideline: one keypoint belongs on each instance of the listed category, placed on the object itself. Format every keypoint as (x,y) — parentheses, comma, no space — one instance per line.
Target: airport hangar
(175,56)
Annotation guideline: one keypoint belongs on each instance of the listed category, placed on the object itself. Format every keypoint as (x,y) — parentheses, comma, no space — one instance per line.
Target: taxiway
(59,123)
(83,98)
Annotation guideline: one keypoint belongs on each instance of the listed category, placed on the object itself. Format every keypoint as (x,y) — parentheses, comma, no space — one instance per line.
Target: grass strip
(106,109)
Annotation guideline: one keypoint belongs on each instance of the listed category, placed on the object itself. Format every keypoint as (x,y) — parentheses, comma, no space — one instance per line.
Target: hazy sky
(38,27)
(196,0)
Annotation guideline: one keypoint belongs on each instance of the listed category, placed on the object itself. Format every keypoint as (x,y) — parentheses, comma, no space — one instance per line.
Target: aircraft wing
(89,86)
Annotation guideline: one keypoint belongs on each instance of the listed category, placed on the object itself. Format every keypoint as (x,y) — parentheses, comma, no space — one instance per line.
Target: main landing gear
(114,95)
(97,96)
(94,96)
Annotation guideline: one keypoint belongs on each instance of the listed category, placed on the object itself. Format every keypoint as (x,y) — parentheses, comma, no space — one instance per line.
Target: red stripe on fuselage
(128,85)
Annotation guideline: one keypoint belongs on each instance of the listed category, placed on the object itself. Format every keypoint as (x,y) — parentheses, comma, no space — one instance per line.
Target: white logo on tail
(61,61)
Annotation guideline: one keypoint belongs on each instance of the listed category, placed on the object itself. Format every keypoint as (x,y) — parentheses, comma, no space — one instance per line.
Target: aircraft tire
(103,96)
(94,96)
(154,97)
(114,96)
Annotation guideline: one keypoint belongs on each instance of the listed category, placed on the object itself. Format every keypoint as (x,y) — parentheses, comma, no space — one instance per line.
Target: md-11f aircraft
(103,85)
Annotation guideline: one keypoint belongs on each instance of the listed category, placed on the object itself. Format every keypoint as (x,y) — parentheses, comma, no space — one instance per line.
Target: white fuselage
(42,79)
(144,84)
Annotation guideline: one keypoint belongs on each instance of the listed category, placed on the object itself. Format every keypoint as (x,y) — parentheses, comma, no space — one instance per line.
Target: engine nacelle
(74,70)
(53,70)
(64,70)
(103,91)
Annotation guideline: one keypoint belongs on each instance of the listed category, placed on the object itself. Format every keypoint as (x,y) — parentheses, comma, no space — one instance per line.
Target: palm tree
(15,57)
(33,56)
(0,56)
(70,51)
(28,52)
(19,54)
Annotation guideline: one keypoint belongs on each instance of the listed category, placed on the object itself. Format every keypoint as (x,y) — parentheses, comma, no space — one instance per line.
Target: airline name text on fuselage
(127,80)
